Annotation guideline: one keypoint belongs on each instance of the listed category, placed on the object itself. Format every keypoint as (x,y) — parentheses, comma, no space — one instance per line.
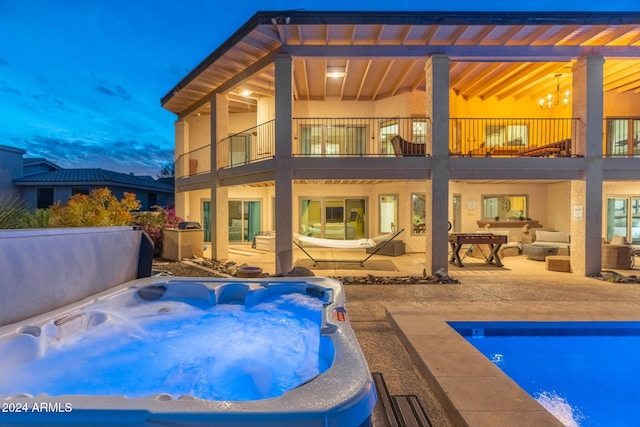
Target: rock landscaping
(202,267)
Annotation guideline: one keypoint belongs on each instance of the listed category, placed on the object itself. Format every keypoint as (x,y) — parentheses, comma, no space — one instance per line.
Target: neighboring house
(41,183)
(350,124)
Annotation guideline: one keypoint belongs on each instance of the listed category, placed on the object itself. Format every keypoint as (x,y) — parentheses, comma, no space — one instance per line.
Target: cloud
(4,87)
(118,91)
(139,157)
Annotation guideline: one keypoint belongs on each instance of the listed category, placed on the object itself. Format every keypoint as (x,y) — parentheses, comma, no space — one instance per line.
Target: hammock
(377,243)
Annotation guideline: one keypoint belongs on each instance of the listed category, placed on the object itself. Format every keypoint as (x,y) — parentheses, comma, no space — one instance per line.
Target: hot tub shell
(343,395)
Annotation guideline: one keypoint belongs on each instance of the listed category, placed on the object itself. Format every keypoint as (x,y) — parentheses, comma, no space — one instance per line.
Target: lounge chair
(404,148)
(378,243)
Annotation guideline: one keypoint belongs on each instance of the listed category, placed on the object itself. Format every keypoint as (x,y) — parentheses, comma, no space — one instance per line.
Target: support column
(586,194)
(181,137)
(219,215)
(284,164)
(437,191)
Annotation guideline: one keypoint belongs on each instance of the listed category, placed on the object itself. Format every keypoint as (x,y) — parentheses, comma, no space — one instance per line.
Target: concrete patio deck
(403,332)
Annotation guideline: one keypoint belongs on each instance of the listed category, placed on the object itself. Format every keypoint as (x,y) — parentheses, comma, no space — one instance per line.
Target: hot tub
(109,359)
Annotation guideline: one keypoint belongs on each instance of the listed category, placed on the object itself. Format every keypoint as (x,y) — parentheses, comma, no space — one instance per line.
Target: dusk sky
(81,81)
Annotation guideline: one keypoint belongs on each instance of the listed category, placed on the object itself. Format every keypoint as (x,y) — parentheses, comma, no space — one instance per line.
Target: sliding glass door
(333,140)
(245,220)
(623,218)
(333,218)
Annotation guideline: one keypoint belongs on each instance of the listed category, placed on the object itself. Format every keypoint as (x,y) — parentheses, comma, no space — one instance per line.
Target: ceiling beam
(364,77)
(523,89)
(563,33)
(491,79)
(231,83)
(587,33)
(511,53)
(385,73)
(531,69)
(400,79)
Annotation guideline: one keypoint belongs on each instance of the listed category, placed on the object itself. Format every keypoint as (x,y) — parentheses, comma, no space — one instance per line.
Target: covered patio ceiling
(384,54)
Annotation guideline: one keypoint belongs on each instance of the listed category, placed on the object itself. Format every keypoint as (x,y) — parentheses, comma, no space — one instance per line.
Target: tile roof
(93,177)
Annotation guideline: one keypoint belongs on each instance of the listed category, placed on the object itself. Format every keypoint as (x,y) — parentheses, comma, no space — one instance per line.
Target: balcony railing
(194,162)
(622,137)
(250,145)
(500,137)
(360,137)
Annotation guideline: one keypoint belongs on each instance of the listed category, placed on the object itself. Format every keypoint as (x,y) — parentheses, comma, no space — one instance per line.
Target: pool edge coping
(473,391)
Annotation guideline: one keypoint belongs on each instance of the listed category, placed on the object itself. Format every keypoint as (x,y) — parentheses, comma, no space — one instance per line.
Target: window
(413,130)
(333,140)
(45,198)
(387,132)
(506,135)
(505,206)
(418,213)
(388,213)
(84,191)
(419,131)
(623,137)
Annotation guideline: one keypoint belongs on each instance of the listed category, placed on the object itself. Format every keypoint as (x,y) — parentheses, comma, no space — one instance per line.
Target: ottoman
(559,263)
(538,253)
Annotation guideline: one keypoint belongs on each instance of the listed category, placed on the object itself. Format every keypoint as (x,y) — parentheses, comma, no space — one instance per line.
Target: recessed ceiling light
(336,72)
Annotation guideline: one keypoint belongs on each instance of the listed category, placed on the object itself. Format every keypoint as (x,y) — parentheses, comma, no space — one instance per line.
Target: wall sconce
(280,20)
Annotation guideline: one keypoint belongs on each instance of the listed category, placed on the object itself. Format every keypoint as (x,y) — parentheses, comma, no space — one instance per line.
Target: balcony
(508,137)
(195,162)
(249,146)
(360,137)
(403,137)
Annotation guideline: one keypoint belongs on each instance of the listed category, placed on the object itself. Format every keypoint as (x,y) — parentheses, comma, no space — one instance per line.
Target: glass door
(617,217)
(333,218)
(457,213)
(336,140)
(239,150)
(635,220)
(245,220)
(206,219)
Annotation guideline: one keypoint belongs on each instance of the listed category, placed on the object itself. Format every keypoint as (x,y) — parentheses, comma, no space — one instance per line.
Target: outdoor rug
(371,265)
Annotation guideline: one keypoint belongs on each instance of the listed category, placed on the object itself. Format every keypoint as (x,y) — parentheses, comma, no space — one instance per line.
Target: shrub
(13,212)
(40,218)
(98,209)
(154,222)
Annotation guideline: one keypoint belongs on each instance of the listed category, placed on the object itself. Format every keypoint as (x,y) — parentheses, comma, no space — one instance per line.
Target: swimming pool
(190,351)
(585,373)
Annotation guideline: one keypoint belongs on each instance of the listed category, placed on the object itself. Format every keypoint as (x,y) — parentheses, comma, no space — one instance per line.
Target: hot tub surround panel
(343,395)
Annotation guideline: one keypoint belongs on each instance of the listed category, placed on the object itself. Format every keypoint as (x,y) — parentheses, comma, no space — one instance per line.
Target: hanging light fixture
(555,99)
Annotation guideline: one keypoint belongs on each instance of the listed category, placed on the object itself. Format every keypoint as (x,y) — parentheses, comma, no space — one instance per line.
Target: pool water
(584,373)
(220,352)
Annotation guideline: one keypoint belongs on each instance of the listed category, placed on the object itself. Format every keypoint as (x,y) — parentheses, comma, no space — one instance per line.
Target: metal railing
(508,137)
(621,137)
(250,145)
(360,136)
(194,162)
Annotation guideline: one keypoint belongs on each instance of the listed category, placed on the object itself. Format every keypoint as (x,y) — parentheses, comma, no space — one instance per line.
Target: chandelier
(555,99)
